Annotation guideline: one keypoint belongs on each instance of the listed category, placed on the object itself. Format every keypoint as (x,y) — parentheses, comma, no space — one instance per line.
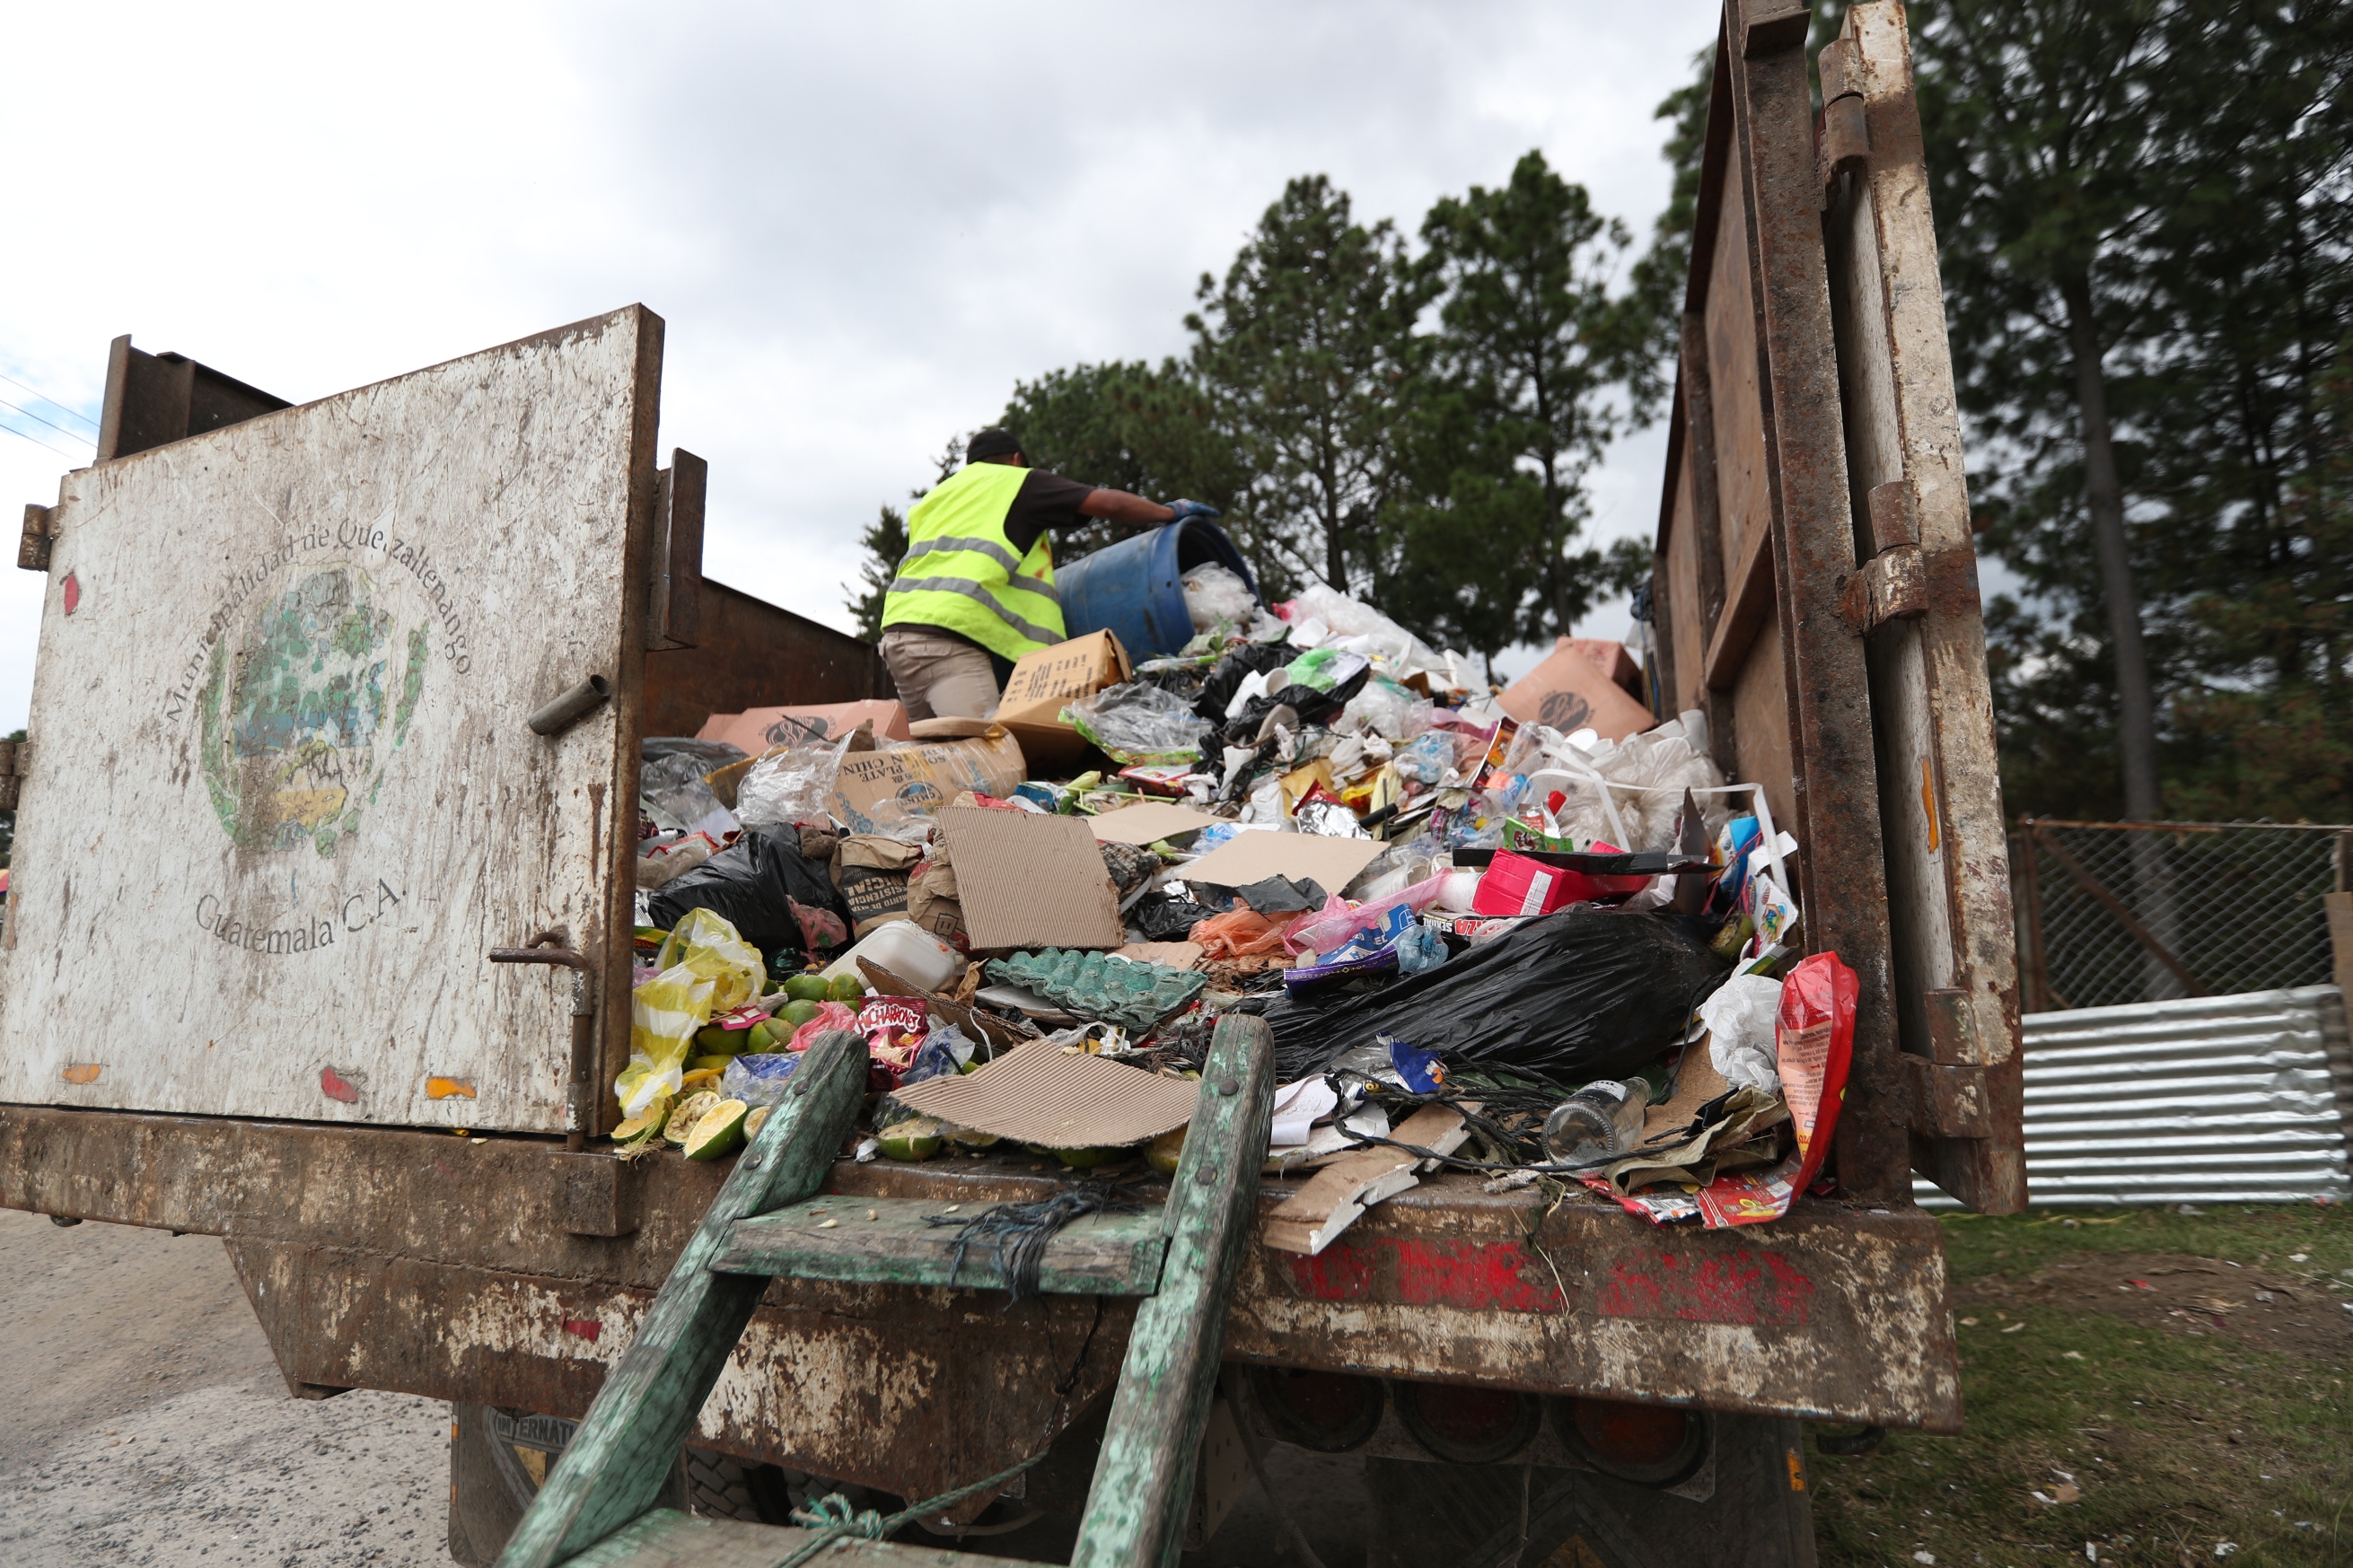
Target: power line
(60,430)
(37,441)
(65,408)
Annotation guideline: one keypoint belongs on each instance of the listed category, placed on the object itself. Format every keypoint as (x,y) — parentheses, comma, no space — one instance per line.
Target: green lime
(719,1130)
(917,1139)
(1084,1158)
(806,988)
(796,1014)
(847,988)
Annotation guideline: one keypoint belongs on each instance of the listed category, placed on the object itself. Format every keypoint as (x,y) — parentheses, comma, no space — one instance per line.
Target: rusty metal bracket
(1893,585)
(16,762)
(596,1195)
(551,946)
(1768,26)
(33,547)
(1946,1101)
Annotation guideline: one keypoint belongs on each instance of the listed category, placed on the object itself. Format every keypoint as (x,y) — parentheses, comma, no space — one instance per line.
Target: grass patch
(2183,1428)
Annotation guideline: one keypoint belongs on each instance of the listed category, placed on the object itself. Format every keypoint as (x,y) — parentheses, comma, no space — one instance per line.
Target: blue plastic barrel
(1134,589)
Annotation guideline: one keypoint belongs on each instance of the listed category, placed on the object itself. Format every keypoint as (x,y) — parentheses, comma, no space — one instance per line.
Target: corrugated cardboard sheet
(1027,880)
(1038,1094)
(1148,822)
(1250,858)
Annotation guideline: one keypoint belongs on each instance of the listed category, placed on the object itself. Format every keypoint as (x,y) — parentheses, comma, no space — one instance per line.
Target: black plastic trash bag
(1235,668)
(755,882)
(1582,994)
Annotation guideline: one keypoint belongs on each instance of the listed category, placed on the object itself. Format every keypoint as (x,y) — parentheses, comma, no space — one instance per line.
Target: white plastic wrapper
(790,786)
(1740,1020)
(1330,618)
(1215,595)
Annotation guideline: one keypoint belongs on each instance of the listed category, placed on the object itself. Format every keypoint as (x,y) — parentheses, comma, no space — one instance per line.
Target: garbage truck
(246,985)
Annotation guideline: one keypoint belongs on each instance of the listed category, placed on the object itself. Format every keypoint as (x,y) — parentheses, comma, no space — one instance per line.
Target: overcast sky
(861,224)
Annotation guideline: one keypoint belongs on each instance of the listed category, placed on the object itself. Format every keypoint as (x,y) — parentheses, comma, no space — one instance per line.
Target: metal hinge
(1768,26)
(33,548)
(16,762)
(1893,585)
(1946,1091)
(1846,131)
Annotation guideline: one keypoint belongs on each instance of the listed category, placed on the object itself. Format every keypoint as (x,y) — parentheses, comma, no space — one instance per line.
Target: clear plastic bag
(791,785)
(1215,595)
(671,790)
(1139,724)
(1385,708)
(1740,1018)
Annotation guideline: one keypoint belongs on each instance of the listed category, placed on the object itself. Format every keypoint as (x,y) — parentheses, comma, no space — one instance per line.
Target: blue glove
(1185,508)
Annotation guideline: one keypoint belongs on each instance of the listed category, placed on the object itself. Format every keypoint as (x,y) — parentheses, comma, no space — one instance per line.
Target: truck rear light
(1468,1425)
(1648,1445)
(1330,1412)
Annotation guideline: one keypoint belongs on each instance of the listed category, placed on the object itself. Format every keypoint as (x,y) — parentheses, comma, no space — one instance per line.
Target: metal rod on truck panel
(550,947)
(572,707)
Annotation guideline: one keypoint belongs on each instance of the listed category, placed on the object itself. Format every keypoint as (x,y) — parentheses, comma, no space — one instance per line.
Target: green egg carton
(1097,986)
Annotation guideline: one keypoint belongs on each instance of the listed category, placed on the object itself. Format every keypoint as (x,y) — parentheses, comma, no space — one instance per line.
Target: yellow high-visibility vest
(963,574)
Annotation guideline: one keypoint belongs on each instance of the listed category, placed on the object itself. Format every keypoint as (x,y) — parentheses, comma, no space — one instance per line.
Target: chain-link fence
(2115,912)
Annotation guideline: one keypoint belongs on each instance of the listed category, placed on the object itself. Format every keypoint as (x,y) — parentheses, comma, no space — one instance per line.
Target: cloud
(861,224)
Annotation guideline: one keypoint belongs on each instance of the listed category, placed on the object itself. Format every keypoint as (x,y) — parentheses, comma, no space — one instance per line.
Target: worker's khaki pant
(939,676)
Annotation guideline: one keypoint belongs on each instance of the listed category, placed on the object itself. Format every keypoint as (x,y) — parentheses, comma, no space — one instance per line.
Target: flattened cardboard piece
(1313,1216)
(1028,880)
(1569,692)
(1174,954)
(1043,681)
(925,776)
(1250,858)
(1038,1094)
(1613,659)
(756,730)
(1148,822)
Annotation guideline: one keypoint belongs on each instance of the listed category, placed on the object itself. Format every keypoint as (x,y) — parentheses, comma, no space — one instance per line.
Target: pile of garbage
(1482,944)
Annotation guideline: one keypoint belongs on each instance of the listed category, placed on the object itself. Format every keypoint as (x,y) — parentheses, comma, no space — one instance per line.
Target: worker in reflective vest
(976,589)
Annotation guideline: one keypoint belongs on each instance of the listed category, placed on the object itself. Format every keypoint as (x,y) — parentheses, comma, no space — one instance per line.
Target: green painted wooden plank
(667,1539)
(1143,1481)
(614,1468)
(891,1241)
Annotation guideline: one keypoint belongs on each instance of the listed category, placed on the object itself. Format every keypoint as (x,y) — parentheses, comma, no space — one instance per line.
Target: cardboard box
(1027,881)
(1613,659)
(756,730)
(1031,708)
(1569,692)
(927,776)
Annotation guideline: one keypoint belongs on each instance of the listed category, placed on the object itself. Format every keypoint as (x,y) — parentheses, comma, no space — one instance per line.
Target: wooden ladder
(597,1507)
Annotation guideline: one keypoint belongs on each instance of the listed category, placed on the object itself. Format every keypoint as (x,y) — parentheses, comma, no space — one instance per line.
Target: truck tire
(1470,1516)
(492,1477)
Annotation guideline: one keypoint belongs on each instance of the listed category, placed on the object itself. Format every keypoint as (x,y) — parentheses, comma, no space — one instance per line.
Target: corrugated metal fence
(2239,1099)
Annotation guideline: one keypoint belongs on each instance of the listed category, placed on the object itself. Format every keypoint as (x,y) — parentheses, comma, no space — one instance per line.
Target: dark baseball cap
(993,442)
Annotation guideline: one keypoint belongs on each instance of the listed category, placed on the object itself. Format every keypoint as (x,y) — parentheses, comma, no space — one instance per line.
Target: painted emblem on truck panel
(302,713)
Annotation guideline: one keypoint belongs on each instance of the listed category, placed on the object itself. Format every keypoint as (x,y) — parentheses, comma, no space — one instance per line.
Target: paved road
(144,1422)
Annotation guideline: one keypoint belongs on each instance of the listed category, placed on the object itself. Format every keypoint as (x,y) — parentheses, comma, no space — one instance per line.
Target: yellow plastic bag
(706,970)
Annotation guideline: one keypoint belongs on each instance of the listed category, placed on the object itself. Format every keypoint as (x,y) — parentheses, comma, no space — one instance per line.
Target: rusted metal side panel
(284,799)
(751,654)
(1940,792)
(913,1392)
(384,1268)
